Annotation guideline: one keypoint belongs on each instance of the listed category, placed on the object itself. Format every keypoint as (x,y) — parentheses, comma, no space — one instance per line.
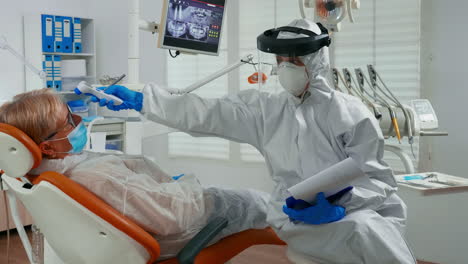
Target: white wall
(444,55)
(111,17)
(11,26)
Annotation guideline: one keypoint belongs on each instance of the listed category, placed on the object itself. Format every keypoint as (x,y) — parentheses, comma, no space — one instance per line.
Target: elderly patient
(172,210)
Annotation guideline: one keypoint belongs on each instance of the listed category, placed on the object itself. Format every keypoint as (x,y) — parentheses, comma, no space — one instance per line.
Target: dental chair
(81,228)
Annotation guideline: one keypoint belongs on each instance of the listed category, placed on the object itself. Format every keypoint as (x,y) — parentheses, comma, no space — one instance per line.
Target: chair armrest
(200,241)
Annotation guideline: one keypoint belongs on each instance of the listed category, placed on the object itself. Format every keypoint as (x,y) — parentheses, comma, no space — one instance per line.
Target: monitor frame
(162,32)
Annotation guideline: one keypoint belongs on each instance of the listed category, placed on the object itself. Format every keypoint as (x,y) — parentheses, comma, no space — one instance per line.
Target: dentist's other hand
(321,213)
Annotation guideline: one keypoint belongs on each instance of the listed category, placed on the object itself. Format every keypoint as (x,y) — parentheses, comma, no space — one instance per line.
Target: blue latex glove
(131,99)
(102,102)
(298,204)
(178,177)
(321,213)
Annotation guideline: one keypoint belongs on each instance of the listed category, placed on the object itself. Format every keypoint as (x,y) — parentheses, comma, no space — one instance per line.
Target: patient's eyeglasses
(70,121)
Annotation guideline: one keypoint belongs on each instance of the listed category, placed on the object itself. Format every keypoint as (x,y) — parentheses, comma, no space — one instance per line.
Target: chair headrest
(18,152)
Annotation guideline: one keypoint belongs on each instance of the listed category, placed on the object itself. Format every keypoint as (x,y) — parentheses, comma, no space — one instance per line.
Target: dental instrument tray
(433,182)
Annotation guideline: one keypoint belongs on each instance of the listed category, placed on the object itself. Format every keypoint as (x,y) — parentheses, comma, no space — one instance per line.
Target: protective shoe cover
(299,138)
(173,211)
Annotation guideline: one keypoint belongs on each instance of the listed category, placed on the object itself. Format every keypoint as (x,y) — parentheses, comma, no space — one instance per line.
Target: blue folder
(58,31)
(77,48)
(67,42)
(47,67)
(57,69)
(48,36)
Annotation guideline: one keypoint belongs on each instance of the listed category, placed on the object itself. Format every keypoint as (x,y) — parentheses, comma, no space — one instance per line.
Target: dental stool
(81,228)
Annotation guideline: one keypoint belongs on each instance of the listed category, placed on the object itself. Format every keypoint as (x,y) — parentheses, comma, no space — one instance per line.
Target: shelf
(66,92)
(32,30)
(78,77)
(114,133)
(109,120)
(70,54)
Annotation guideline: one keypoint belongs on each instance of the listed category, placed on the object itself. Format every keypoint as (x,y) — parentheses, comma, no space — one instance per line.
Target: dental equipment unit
(419,118)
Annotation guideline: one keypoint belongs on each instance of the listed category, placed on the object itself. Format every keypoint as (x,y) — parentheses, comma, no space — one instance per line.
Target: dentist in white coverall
(300,132)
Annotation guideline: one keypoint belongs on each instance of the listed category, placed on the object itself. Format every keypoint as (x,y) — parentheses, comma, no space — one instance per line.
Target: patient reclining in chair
(172,210)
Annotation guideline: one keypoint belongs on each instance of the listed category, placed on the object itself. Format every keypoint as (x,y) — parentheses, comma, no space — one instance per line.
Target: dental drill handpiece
(360,82)
(85,88)
(348,82)
(405,111)
(336,80)
(393,117)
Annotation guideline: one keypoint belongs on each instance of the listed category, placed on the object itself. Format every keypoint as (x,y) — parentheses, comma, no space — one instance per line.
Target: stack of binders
(60,34)
(52,67)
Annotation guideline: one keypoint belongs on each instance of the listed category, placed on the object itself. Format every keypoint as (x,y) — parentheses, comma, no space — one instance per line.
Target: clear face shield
(282,72)
(280,51)
(267,73)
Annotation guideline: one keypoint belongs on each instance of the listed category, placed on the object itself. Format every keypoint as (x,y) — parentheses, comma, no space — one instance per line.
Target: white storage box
(73,68)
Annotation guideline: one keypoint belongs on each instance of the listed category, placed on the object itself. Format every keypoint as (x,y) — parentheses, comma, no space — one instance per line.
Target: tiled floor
(257,254)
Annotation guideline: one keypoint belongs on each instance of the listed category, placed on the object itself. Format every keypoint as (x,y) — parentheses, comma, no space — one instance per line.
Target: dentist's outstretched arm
(236,117)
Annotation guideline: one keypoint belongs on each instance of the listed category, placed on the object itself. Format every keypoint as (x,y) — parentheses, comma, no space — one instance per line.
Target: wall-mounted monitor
(192,25)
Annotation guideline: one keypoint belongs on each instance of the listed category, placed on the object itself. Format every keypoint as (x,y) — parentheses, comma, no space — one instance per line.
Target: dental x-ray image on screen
(192,25)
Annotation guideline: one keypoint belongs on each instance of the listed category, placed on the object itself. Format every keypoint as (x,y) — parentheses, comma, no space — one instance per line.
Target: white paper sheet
(329,181)
(98,141)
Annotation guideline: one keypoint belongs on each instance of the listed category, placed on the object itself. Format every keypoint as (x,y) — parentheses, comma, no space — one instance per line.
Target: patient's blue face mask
(77,137)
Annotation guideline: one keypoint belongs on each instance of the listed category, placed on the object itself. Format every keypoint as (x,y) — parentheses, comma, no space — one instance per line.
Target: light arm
(212,77)
(4,45)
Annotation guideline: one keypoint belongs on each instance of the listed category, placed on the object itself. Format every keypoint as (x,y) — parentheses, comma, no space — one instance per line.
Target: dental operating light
(330,12)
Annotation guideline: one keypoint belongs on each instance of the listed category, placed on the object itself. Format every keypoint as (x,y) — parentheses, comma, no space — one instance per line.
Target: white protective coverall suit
(173,211)
(298,139)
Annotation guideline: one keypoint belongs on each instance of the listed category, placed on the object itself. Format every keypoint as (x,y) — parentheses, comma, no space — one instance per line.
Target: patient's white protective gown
(299,139)
(173,211)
